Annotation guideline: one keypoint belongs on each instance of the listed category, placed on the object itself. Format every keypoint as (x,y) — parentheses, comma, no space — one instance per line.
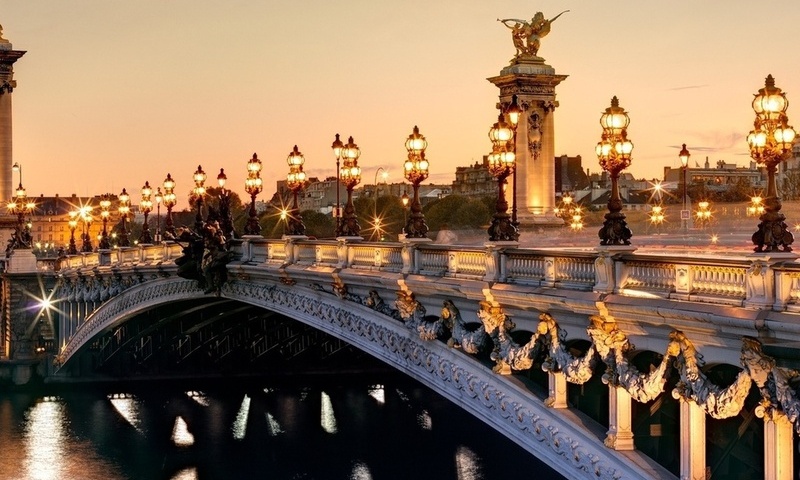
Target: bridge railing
(139,255)
(758,281)
(770,281)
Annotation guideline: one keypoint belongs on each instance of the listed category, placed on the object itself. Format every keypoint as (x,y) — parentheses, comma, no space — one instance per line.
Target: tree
(318,224)
(458,212)
(380,218)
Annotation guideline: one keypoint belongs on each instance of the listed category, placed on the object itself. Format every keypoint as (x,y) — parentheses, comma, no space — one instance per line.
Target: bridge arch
(497,400)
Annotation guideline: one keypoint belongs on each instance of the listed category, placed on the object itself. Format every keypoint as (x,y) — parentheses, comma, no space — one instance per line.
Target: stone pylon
(7,84)
(534,84)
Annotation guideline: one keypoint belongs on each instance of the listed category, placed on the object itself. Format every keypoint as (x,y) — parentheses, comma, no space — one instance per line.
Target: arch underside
(557,437)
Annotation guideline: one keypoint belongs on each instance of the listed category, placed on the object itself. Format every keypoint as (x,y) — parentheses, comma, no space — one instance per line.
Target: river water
(330,427)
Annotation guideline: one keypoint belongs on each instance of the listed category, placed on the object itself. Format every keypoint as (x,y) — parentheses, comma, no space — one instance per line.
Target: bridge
(604,362)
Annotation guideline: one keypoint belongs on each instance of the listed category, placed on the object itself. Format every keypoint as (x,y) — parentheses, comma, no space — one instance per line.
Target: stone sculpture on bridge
(527,36)
(468,337)
(507,354)
(205,256)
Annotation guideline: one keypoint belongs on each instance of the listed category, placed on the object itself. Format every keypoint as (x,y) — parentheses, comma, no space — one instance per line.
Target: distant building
(717,179)
(475,180)
(50,221)
(570,174)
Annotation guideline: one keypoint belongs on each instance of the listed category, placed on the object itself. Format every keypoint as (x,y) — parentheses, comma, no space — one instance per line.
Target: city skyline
(125,93)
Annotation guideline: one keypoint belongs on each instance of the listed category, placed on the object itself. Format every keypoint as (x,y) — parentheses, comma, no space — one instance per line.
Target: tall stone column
(534,83)
(7,84)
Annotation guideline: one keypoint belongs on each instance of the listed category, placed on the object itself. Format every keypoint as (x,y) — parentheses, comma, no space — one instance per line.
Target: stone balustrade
(758,281)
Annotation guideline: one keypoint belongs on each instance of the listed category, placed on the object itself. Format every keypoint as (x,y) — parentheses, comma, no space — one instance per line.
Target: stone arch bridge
(602,362)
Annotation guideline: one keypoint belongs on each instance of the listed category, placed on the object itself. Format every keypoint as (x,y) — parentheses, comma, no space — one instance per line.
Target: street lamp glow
(415,170)
(614,154)
(296,181)
(770,143)
(253,185)
(350,175)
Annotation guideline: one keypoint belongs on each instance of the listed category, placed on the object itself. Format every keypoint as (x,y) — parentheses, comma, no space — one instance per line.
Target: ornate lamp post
(404,200)
(105,205)
(20,206)
(770,143)
(614,153)
(86,217)
(350,174)
(124,209)
(147,206)
(199,191)
(73,224)
(513,113)
(169,202)
(337,147)
(225,220)
(501,165)
(253,185)
(415,170)
(296,180)
(684,156)
(159,198)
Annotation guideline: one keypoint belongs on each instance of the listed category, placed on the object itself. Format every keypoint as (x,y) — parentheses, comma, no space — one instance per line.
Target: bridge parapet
(751,281)
(748,280)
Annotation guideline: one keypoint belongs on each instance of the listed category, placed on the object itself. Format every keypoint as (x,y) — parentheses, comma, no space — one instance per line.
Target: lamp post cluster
(703,213)
(124,209)
(159,198)
(21,205)
(415,170)
(614,154)
(253,185)
(296,181)
(684,155)
(571,212)
(770,143)
(198,192)
(657,215)
(502,163)
(350,175)
(105,213)
(146,206)
(224,202)
(84,214)
(72,249)
(169,202)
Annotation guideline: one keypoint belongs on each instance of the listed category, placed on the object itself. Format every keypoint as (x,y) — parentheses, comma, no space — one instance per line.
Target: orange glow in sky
(113,94)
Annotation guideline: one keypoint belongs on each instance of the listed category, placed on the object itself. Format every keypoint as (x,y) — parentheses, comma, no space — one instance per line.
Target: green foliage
(272,226)
(318,224)
(382,219)
(458,212)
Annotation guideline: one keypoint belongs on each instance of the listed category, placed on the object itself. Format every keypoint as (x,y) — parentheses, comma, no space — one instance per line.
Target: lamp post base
(502,230)
(615,230)
(773,234)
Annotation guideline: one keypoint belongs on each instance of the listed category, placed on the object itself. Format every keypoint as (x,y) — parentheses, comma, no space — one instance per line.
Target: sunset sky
(112,93)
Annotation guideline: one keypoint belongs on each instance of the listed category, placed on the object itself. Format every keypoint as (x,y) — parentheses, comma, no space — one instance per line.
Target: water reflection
(53,449)
(327,418)
(44,439)
(467,464)
(180,433)
(341,430)
(240,425)
(128,407)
